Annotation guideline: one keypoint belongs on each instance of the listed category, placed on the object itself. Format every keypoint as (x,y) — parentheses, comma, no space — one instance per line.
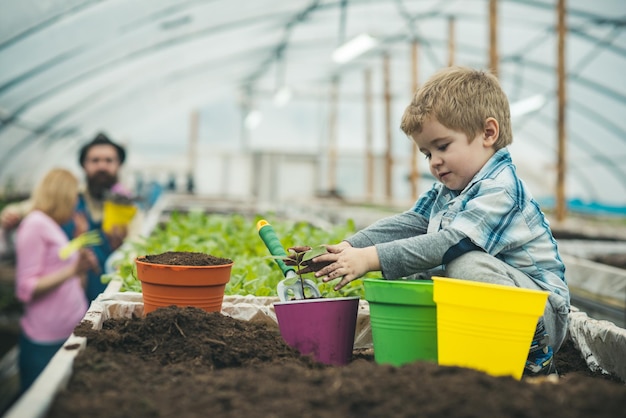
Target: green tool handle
(269,237)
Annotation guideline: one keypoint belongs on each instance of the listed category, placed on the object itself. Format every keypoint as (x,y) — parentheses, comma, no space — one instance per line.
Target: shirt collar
(495,164)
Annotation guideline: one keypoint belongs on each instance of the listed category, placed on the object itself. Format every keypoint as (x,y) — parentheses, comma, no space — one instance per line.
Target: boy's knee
(482,267)
(462,266)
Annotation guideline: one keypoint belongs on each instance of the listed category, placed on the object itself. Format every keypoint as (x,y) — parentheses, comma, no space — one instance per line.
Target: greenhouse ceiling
(138,69)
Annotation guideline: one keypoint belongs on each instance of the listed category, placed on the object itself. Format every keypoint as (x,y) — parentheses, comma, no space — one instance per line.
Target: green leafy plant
(234,237)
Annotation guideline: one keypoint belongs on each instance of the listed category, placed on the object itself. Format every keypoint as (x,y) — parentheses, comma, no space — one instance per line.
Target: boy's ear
(491,132)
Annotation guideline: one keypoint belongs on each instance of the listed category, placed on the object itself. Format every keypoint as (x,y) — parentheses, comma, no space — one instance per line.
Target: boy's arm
(400,226)
(404,257)
(411,223)
(488,222)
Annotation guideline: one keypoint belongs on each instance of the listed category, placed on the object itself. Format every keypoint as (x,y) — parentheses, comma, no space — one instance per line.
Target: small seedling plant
(301,258)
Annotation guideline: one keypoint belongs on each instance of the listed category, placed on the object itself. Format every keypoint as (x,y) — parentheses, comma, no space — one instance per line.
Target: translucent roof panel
(137,70)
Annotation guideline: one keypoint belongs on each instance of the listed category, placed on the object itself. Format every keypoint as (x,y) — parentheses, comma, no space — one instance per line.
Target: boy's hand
(317,263)
(347,263)
(311,266)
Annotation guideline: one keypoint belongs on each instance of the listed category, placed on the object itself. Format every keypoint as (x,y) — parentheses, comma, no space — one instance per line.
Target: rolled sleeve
(403,225)
(402,258)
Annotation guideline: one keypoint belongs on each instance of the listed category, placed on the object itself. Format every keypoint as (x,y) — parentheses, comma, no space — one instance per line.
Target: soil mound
(185,362)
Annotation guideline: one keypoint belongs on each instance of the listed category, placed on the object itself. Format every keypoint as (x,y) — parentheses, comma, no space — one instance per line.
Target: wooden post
(561,74)
(451,41)
(332,134)
(415,175)
(369,137)
(493,36)
(388,136)
(192,157)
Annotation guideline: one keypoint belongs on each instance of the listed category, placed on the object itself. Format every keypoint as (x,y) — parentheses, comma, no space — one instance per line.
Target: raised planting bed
(233,237)
(189,363)
(596,288)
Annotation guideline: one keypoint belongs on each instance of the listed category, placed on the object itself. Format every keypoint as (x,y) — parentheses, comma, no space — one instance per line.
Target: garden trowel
(290,286)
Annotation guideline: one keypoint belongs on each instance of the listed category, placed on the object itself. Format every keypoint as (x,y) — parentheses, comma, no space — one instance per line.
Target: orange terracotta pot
(198,286)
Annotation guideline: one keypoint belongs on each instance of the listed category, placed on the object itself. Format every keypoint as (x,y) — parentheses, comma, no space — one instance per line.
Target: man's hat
(101,139)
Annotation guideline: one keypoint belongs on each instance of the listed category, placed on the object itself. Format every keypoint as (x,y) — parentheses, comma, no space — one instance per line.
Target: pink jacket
(51,317)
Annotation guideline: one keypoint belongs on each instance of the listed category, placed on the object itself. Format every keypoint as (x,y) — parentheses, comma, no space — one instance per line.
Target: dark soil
(184,362)
(173,258)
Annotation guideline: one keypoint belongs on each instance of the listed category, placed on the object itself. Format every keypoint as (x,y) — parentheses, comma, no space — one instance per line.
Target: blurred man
(101,160)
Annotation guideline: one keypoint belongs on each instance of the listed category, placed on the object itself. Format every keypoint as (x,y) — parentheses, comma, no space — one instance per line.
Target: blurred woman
(50,288)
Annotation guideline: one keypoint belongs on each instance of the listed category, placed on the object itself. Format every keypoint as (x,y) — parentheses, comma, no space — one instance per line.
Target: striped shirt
(495,213)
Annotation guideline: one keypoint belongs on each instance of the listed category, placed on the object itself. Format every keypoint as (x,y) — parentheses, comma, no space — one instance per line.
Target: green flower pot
(403,317)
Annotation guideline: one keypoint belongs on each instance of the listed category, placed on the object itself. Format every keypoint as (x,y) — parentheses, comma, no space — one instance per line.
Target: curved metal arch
(594,115)
(118,61)
(583,179)
(49,125)
(45,128)
(570,11)
(617,129)
(298,18)
(573,170)
(585,144)
(598,118)
(46,23)
(606,122)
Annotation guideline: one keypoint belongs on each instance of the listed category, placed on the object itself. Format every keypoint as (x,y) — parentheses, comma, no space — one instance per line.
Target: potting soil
(183,258)
(185,362)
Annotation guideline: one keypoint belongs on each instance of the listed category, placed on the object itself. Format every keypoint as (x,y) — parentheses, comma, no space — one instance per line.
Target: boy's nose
(435,161)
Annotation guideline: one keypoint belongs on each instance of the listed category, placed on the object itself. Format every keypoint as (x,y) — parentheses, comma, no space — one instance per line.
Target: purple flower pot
(323,328)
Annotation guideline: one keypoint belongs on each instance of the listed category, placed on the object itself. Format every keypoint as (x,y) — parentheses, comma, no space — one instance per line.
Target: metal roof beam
(106,66)
(282,45)
(47,23)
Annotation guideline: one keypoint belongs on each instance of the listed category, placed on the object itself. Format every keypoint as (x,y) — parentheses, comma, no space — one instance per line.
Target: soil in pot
(183,279)
(182,258)
(189,363)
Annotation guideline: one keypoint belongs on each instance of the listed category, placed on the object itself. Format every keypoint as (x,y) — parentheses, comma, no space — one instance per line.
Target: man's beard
(100,184)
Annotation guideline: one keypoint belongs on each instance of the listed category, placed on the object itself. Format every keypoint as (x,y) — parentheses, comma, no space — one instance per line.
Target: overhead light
(282,96)
(353,48)
(253,119)
(528,105)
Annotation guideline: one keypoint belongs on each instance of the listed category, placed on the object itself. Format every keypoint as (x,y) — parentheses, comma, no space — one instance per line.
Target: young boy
(479,223)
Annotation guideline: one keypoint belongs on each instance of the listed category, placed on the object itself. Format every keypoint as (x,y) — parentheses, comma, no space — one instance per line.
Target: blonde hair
(461,99)
(56,195)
